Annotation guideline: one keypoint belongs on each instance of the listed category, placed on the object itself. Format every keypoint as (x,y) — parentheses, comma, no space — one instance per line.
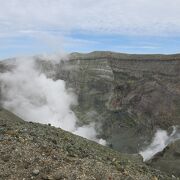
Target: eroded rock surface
(129,95)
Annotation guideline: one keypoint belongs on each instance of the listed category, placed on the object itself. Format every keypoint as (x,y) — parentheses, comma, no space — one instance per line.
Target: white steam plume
(160,141)
(34,97)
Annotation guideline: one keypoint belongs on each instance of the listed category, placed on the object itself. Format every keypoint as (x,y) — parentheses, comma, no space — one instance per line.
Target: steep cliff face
(129,95)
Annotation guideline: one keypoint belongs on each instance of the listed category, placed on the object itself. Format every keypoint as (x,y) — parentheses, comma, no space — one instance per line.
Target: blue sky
(46,26)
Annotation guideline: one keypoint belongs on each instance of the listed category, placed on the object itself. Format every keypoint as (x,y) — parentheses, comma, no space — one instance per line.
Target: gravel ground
(34,151)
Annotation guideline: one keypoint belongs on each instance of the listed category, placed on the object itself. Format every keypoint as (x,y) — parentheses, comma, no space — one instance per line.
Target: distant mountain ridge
(116,55)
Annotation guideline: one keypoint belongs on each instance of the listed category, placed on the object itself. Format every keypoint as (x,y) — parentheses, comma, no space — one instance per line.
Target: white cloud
(129,17)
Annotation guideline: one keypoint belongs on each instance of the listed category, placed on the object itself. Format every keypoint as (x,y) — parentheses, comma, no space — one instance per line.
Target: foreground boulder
(35,151)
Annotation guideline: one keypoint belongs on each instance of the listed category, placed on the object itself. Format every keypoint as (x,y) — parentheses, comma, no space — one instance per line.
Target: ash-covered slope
(35,151)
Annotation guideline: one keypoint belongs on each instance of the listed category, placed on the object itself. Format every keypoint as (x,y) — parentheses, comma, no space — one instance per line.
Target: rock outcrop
(130,96)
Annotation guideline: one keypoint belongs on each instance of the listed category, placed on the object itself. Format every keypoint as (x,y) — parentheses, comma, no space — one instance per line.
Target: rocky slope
(128,96)
(35,151)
